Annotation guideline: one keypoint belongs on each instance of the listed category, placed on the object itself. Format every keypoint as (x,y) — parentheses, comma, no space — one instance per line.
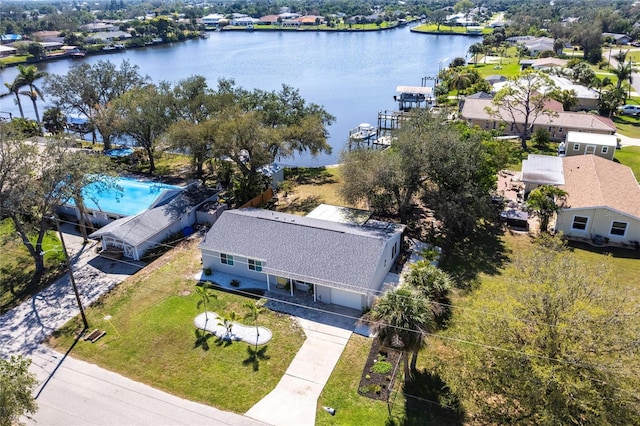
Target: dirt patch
(379,372)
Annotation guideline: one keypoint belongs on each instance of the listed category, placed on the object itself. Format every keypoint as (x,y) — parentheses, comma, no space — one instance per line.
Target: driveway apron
(294,400)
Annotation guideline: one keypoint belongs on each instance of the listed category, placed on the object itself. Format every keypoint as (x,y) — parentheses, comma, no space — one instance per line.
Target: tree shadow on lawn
(483,251)
(305,204)
(309,175)
(428,400)
(256,355)
(202,339)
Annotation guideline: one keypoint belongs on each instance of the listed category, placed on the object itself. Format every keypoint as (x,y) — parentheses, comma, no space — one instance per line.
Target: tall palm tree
(204,298)
(255,309)
(461,80)
(14,89)
(476,49)
(29,74)
(401,318)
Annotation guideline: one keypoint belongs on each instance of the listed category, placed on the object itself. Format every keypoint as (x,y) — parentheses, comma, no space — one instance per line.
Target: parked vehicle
(629,109)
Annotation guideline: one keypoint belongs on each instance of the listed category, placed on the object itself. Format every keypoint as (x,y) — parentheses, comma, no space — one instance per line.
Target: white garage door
(346,298)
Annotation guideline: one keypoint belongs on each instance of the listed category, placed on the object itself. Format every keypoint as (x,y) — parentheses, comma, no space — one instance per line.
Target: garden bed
(379,372)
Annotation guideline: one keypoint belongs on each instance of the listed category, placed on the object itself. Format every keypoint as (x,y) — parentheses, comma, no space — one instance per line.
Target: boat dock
(408,98)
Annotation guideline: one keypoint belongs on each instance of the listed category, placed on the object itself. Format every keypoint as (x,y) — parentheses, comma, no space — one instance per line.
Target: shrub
(207,271)
(235,283)
(382,367)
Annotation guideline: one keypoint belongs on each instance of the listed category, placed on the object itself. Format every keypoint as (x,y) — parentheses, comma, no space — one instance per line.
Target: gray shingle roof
(142,227)
(335,254)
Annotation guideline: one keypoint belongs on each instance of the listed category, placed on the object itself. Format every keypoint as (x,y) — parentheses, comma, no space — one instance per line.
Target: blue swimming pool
(119,152)
(135,197)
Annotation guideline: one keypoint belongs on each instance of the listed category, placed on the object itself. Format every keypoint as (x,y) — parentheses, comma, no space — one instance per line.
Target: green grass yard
(629,156)
(17,265)
(151,338)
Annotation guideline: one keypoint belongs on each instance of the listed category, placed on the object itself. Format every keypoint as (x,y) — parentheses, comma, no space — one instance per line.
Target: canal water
(353,75)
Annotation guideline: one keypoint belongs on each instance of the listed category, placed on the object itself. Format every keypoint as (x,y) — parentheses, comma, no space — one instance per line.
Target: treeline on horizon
(608,16)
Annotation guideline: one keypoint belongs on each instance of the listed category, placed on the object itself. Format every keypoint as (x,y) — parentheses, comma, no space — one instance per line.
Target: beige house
(476,113)
(579,143)
(603,202)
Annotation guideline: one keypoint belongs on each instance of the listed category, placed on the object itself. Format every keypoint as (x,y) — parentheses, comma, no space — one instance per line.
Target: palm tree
(476,49)
(205,296)
(543,201)
(29,74)
(401,318)
(227,321)
(14,89)
(255,309)
(461,80)
(434,284)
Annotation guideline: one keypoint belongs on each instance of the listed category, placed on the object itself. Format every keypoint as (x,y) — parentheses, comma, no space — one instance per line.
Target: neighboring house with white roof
(212,19)
(587,98)
(342,263)
(535,45)
(543,63)
(135,235)
(244,21)
(579,143)
(603,201)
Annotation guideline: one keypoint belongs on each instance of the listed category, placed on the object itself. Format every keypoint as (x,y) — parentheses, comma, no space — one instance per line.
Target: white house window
(226,259)
(579,223)
(486,124)
(576,146)
(255,265)
(605,149)
(618,228)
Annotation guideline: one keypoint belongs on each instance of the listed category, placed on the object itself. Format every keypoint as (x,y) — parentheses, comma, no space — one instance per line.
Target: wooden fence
(261,199)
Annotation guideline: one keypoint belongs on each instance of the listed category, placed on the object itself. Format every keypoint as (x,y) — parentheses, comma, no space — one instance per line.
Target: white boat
(364,131)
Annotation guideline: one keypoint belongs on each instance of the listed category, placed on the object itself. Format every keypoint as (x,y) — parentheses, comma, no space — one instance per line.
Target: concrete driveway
(294,400)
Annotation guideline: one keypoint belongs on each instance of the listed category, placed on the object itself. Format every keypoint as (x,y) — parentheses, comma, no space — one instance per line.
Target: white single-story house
(603,201)
(7,50)
(579,143)
(212,19)
(543,63)
(135,235)
(341,263)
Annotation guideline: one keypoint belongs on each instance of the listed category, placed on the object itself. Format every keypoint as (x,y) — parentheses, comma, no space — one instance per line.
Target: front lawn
(341,391)
(151,337)
(17,266)
(629,156)
(627,125)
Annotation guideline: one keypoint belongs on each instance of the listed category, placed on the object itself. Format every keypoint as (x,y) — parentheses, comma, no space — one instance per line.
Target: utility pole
(70,269)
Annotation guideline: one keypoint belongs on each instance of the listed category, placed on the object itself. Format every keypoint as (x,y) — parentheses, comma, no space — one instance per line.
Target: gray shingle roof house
(343,263)
(139,233)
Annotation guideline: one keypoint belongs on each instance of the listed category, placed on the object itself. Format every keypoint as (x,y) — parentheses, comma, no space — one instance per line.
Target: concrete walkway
(294,400)
(627,141)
